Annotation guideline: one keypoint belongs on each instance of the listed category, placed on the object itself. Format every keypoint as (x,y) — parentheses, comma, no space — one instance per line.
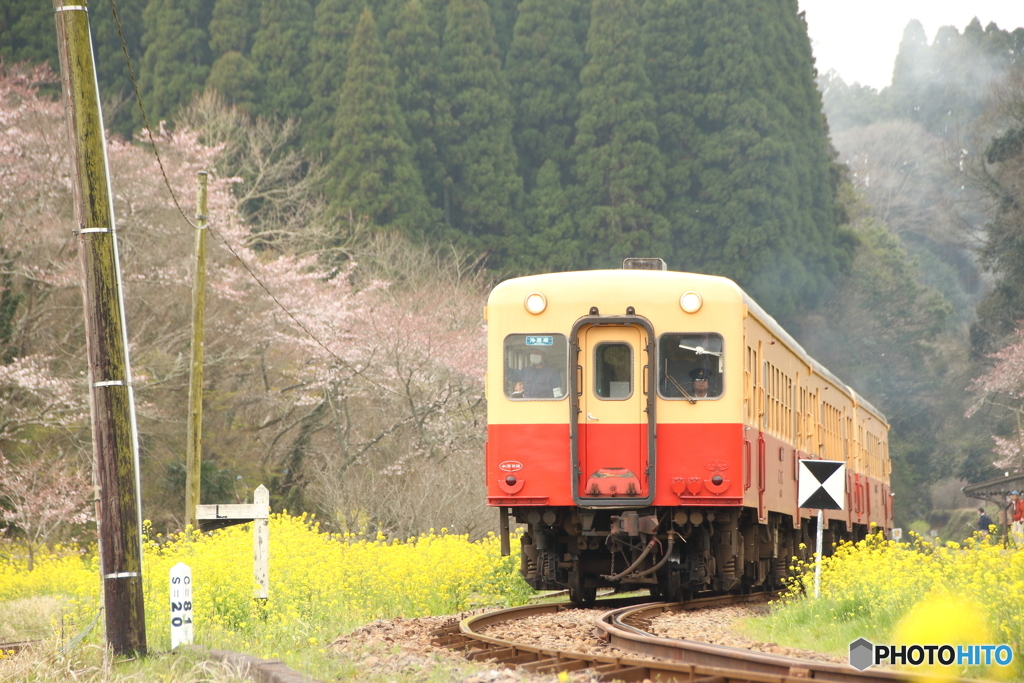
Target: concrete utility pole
(115,442)
(194,449)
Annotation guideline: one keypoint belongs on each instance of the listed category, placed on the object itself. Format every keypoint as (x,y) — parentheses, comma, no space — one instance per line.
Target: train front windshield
(536,367)
(690,366)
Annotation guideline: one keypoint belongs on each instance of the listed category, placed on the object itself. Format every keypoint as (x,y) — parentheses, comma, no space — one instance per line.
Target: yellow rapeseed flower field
(320,584)
(879,589)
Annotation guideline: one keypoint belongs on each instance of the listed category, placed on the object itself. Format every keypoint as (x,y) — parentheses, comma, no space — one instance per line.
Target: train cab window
(536,367)
(613,371)
(691,366)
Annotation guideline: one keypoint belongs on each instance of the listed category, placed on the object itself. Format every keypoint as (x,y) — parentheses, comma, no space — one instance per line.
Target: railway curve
(622,625)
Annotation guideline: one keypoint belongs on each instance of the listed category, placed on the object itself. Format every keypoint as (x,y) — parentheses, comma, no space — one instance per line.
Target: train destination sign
(822,485)
(540,341)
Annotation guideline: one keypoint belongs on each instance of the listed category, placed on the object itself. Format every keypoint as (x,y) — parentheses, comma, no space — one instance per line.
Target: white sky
(860,38)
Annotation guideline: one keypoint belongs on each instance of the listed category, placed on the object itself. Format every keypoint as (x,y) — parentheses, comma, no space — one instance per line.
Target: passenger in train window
(535,366)
(537,380)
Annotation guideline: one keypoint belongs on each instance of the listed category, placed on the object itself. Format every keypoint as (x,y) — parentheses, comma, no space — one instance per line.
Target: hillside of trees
(371,155)
(927,158)
(547,135)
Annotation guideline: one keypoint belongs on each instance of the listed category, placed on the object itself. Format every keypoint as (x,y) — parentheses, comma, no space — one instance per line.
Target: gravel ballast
(400,649)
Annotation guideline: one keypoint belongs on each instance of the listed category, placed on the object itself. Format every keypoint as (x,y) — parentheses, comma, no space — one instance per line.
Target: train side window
(613,371)
(691,366)
(536,367)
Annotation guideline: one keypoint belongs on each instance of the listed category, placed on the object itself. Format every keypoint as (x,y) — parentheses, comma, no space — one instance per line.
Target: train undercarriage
(675,552)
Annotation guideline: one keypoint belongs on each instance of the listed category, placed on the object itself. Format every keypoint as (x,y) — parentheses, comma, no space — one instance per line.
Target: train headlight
(691,302)
(536,303)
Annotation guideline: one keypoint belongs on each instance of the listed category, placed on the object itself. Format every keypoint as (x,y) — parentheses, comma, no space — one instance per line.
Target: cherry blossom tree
(1003,387)
(40,498)
(40,392)
(344,366)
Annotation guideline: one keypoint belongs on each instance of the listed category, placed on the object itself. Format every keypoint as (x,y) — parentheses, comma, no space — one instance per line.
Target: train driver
(691,366)
(701,382)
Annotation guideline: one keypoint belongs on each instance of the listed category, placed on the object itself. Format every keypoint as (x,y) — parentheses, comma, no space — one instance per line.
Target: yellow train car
(646,426)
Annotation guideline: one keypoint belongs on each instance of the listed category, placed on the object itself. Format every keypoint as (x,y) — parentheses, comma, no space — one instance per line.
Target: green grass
(89,662)
(819,625)
(29,618)
(92,664)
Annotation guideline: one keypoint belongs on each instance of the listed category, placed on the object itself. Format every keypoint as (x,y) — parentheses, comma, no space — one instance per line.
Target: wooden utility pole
(194,448)
(115,443)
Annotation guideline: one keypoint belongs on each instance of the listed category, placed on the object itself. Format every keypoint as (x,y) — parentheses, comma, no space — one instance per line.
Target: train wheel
(670,586)
(583,595)
(579,592)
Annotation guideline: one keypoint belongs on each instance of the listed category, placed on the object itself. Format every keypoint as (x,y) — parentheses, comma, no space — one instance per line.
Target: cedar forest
(378,164)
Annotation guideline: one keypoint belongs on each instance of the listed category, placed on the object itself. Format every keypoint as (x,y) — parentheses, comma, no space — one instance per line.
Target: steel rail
(689,661)
(621,630)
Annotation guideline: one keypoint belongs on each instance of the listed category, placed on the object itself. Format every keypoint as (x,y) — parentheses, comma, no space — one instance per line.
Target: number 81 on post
(181,605)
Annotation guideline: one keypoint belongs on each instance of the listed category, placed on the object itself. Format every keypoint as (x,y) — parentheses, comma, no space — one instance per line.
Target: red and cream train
(645,426)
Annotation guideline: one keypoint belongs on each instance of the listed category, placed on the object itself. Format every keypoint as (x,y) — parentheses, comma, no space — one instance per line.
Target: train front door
(612,423)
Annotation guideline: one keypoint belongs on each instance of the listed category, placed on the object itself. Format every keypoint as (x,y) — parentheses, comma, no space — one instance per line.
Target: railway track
(623,626)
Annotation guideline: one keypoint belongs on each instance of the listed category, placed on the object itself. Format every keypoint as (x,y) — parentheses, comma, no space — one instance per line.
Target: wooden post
(194,447)
(115,443)
(258,512)
(261,543)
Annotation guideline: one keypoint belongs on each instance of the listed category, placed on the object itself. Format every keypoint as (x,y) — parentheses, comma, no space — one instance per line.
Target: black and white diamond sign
(822,485)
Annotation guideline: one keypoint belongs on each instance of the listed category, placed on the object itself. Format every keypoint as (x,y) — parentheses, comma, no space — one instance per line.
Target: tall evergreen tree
(618,166)
(543,67)
(177,56)
(116,89)
(907,80)
(386,13)
(233,26)
(437,15)
(549,244)
(233,74)
(503,19)
(280,52)
(944,85)
(788,87)
(762,194)
(328,54)
(235,77)
(416,55)
(485,192)
(27,33)
(373,163)
(669,37)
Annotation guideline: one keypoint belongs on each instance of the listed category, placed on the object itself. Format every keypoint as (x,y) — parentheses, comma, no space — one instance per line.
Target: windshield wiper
(700,350)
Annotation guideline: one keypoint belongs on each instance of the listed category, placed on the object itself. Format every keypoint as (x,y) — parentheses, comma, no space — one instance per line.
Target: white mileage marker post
(181,605)
(822,485)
